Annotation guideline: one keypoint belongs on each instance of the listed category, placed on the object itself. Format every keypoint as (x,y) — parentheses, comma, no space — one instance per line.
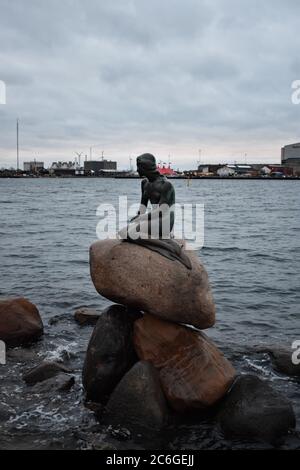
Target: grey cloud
(171,76)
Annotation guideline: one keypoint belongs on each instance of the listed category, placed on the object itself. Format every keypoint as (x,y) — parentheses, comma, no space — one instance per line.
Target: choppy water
(251,253)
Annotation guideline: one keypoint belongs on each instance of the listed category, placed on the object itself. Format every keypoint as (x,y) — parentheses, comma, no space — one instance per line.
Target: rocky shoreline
(145,374)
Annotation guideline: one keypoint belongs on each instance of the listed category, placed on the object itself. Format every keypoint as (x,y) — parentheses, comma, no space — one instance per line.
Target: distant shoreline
(293,178)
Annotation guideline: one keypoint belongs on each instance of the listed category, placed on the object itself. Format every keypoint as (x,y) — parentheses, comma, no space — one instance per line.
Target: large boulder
(138,402)
(193,372)
(136,276)
(254,410)
(110,353)
(20,322)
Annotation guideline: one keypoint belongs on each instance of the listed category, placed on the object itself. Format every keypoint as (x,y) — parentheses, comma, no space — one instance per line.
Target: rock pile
(145,359)
(178,362)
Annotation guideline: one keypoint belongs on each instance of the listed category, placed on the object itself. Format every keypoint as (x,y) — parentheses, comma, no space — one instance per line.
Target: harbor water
(251,252)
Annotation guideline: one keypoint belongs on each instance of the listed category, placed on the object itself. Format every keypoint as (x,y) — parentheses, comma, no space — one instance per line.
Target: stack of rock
(147,354)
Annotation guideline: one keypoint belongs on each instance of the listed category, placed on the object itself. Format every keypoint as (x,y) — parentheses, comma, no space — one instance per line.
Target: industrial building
(96,167)
(33,167)
(290,157)
(225,170)
(63,169)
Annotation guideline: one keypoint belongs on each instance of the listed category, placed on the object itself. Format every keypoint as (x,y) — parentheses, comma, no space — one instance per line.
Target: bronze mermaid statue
(153,229)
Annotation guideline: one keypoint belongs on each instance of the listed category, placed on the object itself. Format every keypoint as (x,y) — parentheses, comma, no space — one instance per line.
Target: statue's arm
(144,199)
(143,203)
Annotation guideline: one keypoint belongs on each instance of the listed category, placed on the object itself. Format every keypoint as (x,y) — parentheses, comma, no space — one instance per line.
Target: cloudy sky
(168,77)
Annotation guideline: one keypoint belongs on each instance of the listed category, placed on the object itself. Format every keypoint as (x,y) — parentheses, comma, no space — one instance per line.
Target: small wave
(78,262)
(224,249)
(41,414)
(263,366)
(62,352)
(267,256)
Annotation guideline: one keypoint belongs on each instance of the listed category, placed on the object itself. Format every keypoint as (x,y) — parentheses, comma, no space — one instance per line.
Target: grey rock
(6,412)
(138,403)
(60,383)
(110,353)
(20,355)
(86,316)
(282,362)
(254,410)
(44,371)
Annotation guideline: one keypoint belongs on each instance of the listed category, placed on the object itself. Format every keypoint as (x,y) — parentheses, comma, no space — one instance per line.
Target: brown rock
(20,322)
(138,277)
(194,374)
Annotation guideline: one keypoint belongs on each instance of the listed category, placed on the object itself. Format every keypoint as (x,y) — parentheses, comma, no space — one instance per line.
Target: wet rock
(96,408)
(138,402)
(6,412)
(193,372)
(107,446)
(121,434)
(110,353)
(20,322)
(282,361)
(44,371)
(60,383)
(19,355)
(135,276)
(61,318)
(254,410)
(86,316)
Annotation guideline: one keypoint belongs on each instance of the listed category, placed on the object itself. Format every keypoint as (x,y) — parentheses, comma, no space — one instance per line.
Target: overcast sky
(133,76)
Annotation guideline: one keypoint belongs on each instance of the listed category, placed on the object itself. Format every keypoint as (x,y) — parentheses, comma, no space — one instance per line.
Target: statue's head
(146,165)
